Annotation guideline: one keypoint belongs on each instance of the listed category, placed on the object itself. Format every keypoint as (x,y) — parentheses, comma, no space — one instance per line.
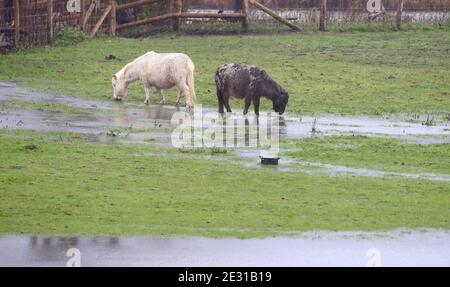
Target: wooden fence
(92,16)
(176,14)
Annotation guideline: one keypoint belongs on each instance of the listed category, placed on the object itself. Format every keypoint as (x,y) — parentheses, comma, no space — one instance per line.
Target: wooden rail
(100,20)
(211,15)
(180,15)
(144,21)
(135,4)
(274,15)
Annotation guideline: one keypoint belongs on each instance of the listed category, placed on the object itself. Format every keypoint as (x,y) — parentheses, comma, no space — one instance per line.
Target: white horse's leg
(162,99)
(148,93)
(184,92)
(180,94)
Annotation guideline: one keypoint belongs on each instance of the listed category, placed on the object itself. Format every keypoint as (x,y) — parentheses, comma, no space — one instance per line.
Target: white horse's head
(119,87)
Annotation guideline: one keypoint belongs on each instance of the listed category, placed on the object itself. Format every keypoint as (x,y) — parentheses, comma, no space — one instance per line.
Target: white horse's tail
(190,83)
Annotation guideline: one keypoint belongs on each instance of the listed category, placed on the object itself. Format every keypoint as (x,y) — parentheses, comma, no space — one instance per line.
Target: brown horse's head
(280,100)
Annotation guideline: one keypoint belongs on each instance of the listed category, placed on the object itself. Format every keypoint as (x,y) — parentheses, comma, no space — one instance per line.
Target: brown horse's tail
(190,83)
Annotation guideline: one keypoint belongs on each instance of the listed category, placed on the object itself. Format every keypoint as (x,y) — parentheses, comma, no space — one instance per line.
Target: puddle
(44,121)
(334,170)
(427,140)
(287,164)
(137,123)
(399,248)
(339,125)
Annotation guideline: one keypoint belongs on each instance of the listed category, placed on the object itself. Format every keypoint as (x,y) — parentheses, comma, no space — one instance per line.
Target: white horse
(162,71)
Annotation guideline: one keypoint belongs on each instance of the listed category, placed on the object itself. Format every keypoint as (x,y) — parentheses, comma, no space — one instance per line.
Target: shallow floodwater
(400,248)
(139,116)
(129,123)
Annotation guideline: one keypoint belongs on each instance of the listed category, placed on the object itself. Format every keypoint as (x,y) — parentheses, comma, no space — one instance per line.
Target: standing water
(400,248)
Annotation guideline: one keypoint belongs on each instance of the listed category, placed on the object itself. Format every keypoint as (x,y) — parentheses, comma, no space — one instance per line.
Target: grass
(51,107)
(373,152)
(332,72)
(213,150)
(64,184)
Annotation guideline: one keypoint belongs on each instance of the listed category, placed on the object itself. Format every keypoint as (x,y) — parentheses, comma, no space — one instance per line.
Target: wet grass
(51,107)
(332,72)
(75,186)
(378,153)
(213,150)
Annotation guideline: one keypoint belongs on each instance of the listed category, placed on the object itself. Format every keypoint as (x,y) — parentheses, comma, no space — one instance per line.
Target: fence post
(323,15)
(245,21)
(112,18)
(398,19)
(50,21)
(178,9)
(16,22)
(81,14)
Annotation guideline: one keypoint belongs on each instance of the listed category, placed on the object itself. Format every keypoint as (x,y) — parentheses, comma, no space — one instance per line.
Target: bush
(68,36)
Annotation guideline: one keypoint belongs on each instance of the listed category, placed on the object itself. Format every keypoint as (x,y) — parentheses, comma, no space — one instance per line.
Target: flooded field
(399,248)
(136,123)
(159,116)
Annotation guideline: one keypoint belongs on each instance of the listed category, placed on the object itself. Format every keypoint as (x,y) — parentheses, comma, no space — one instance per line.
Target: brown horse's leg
(220,100)
(256,105)
(226,99)
(248,101)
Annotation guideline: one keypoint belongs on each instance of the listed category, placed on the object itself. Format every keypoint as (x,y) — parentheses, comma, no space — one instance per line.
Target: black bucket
(269,160)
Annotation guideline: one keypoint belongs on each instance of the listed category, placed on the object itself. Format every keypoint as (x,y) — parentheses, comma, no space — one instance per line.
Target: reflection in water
(96,117)
(398,248)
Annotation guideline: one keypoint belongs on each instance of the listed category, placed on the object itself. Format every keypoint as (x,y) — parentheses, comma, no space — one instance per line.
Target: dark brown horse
(249,83)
